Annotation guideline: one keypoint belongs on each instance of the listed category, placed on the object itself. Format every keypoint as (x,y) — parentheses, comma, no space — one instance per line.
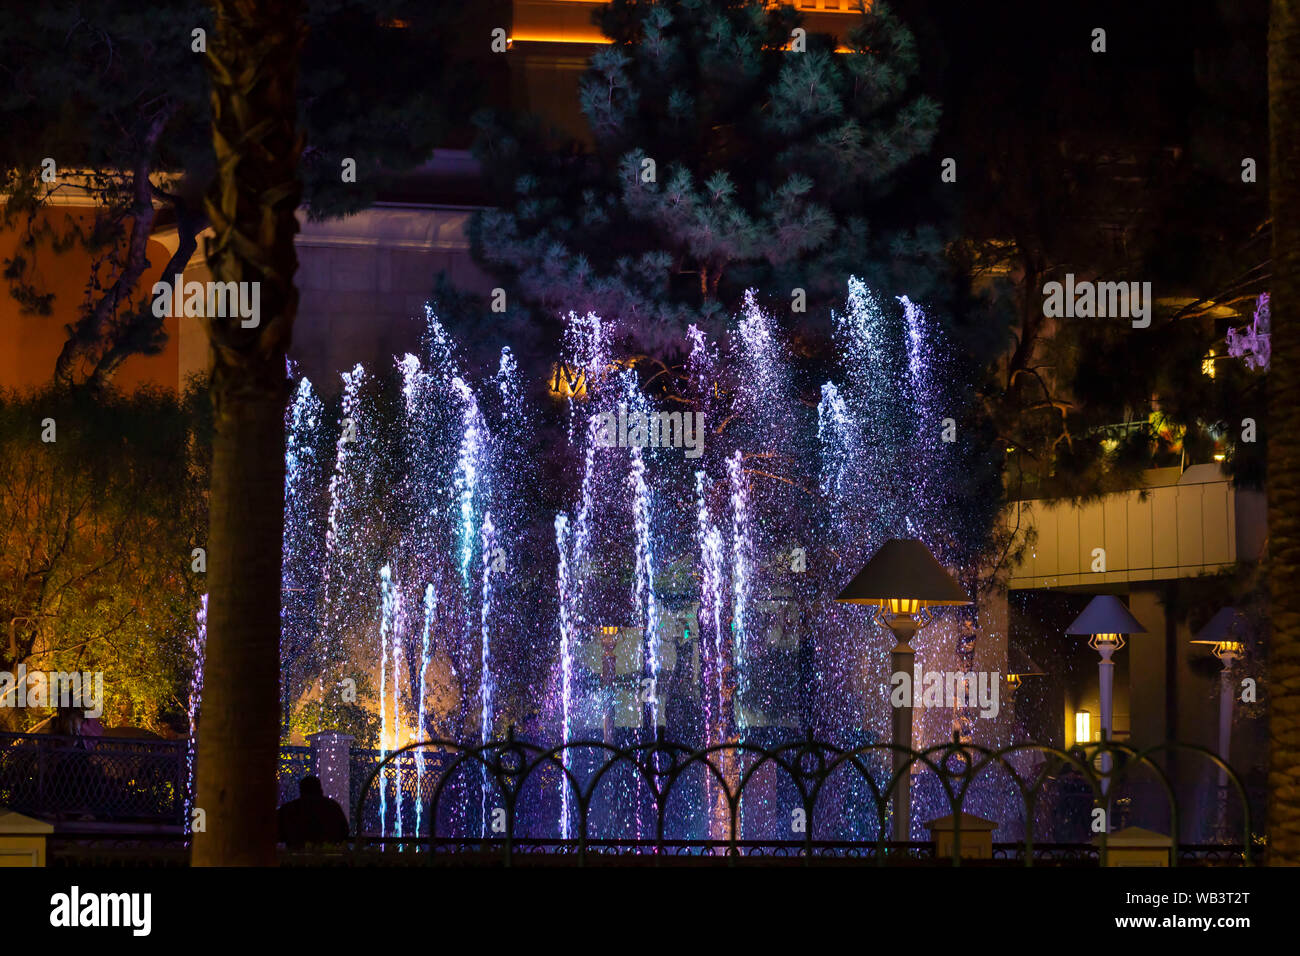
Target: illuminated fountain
(474,561)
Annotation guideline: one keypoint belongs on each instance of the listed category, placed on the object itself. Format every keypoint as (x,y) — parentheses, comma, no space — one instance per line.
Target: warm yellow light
(594,36)
(566,382)
(1106,640)
(903,605)
(1014,680)
(1082,727)
(581,35)
(1207,365)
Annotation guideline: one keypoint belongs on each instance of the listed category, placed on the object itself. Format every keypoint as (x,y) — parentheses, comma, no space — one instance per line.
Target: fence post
(23,840)
(331,755)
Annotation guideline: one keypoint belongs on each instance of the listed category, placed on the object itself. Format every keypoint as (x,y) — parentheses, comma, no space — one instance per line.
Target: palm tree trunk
(253,64)
(1284,442)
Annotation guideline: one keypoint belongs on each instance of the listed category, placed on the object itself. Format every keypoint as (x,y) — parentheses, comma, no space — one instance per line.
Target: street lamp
(902,581)
(1219,634)
(615,652)
(609,673)
(1016,678)
(1019,668)
(1105,620)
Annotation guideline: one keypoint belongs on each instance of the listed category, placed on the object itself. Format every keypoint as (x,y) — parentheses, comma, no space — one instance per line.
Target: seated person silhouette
(312,818)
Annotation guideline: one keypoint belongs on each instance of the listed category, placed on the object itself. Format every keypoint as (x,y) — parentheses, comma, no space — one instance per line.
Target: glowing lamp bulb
(1115,641)
(903,605)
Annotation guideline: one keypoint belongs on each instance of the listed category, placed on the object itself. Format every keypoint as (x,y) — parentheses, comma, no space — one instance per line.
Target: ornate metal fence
(799,800)
(93,778)
(509,797)
(111,780)
(295,763)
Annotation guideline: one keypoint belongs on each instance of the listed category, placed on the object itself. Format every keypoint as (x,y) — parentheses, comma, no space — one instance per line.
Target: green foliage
(767,165)
(96,533)
(359,718)
(1101,191)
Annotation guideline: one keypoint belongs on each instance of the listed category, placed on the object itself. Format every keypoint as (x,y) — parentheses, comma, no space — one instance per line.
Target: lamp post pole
(1219,634)
(1227,700)
(1106,683)
(902,580)
(608,674)
(1227,652)
(1106,620)
(903,659)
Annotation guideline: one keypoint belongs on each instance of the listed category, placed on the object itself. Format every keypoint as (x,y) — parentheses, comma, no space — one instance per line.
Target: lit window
(1082,727)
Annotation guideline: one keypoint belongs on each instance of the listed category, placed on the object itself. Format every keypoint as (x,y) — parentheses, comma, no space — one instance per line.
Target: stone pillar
(332,757)
(976,837)
(22,839)
(1134,846)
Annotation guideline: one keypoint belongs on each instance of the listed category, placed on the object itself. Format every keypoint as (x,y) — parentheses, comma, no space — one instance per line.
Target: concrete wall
(364,281)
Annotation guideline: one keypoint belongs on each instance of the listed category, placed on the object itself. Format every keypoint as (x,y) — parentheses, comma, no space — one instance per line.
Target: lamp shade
(903,569)
(1105,614)
(1218,628)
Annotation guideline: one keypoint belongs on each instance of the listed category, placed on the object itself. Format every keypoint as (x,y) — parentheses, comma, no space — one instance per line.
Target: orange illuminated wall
(29,344)
(552,40)
(570,21)
(555,21)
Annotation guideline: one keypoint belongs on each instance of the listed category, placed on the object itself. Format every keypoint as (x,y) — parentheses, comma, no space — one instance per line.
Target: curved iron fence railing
(509,797)
(505,770)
